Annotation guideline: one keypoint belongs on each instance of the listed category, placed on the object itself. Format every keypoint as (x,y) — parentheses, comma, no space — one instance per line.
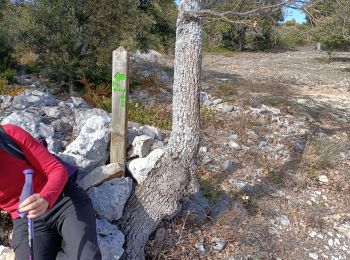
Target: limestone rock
(53,112)
(25,120)
(152,132)
(217,101)
(110,240)
(90,149)
(110,198)
(139,168)
(101,174)
(33,98)
(5,102)
(141,146)
(225,107)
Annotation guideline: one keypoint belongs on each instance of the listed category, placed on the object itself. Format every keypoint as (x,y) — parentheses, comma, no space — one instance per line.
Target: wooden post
(120,90)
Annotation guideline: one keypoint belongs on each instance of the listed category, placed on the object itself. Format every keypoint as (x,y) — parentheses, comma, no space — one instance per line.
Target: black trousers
(71,219)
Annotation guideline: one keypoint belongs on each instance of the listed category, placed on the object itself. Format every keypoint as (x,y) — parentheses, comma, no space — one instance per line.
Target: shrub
(149,115)
(290,36)
(321,153)
(100,97)
(226,89)
(6,91)
(9,75)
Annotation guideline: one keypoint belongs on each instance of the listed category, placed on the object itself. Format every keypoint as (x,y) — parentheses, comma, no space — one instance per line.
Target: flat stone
(312,234)
(330,242)
(323,179)
(262,144)
(225,107)
(200,247)
(252,135)
(101,174)
(239,184)
(283,219)
(274,111)
(202,150)
(217,101)
(53,112)
(234,145)
(313,256)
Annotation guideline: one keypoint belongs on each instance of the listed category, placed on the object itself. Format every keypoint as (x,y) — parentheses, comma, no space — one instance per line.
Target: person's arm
(43,161)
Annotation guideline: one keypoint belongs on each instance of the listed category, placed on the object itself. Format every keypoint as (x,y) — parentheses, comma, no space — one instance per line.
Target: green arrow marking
(116,87)
(117,78)
(120,76)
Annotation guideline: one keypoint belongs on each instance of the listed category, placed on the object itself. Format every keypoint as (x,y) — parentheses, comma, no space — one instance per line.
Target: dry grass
(226,90)
(209,117)
(7,91)
(321,153)
(99,96)
(210,185)
(270,88)
(151,84)
(26,58)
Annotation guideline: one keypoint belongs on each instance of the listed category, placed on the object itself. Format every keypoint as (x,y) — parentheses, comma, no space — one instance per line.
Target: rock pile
(81,135)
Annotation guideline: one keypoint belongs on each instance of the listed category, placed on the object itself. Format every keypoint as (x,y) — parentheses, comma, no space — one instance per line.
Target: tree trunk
(174,175)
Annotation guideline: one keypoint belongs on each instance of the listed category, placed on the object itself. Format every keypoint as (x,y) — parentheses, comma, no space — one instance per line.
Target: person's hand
(34,206)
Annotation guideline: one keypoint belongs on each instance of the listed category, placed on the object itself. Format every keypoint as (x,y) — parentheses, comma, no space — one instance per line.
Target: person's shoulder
(14,130)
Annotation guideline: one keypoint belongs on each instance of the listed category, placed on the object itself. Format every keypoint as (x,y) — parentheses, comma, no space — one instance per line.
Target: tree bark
(174,175)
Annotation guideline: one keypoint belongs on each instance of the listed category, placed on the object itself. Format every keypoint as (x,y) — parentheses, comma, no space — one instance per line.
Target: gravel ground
(276,168)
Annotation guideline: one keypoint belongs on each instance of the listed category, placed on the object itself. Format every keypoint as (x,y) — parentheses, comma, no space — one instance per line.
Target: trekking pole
(26,192)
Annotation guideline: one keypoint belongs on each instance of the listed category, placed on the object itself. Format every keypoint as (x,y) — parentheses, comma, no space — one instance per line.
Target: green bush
(6,49)
(9,75)
(146,115)
(290,36)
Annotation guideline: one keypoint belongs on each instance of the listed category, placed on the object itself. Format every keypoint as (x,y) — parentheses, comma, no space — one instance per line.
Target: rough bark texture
(172,178)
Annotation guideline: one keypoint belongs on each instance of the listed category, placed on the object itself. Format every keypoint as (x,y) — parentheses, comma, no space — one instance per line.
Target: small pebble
(313,256)
(336,242)
(330,242)
(323,179)
(312,234)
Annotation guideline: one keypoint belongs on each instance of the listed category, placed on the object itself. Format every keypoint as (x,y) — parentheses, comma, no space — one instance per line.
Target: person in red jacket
(60,208)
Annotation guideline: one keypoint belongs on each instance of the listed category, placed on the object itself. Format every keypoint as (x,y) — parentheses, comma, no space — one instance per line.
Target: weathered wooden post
(120,90)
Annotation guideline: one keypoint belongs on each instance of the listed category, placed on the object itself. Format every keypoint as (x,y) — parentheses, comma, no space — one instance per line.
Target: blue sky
(297,15)
(289,14)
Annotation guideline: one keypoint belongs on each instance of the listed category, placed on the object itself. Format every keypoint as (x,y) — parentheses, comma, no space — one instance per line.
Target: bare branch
(250,13)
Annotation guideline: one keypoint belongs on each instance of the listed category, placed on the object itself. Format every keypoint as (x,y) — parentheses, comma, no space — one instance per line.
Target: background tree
(75,38)
(250,32)
(161,33)
(6,39)
(331,23)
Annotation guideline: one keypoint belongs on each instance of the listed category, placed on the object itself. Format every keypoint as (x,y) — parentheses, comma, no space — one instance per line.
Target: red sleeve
(42,160)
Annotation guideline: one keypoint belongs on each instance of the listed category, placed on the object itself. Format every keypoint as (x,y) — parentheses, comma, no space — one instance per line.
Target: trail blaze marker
(116,87)
(120,90)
